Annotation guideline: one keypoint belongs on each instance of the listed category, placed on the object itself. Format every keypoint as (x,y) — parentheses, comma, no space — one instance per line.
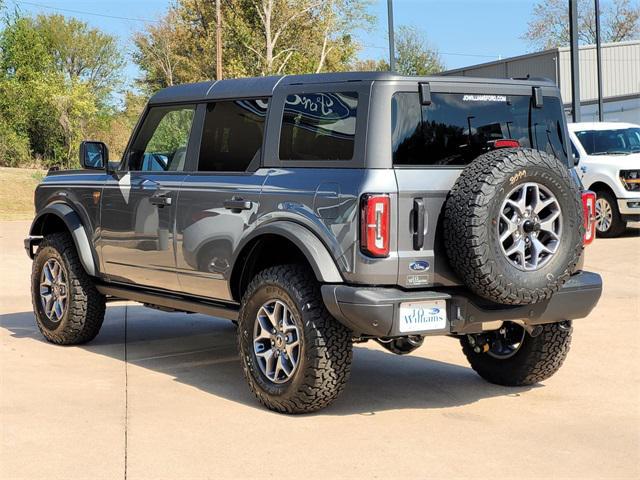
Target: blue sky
(465,31)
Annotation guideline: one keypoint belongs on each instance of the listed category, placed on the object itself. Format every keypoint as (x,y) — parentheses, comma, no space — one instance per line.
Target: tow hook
(533,330)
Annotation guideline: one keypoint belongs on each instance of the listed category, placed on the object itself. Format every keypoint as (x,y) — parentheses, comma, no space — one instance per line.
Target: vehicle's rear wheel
(295,356)
(609,222)
(68,308)
(513,226)
(510,356)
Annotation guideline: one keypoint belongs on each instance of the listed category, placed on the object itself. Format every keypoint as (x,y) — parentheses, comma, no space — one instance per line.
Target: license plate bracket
(422,316)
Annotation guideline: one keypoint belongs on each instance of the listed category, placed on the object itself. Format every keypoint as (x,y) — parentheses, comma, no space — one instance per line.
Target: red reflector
(589,212)
(506,143)
(374,225)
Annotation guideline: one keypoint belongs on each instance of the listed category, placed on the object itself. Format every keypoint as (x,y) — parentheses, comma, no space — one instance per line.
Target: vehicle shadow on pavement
(630,232)
(200,351)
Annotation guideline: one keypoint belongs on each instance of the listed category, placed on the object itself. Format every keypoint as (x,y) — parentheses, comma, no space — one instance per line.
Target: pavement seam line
(126,392)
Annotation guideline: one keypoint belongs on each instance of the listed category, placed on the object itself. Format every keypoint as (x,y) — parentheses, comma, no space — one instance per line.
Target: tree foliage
(56,79)
(260,37)
(59,77)
(549,25)
(414,55)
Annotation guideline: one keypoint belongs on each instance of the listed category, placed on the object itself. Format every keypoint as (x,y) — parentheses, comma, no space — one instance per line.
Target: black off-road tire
(470,224)
(537,359)
(325,359)
(85,309)
(618,225)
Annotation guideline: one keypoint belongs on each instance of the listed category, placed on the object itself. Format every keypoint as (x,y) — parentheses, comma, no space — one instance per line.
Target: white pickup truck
(607,156)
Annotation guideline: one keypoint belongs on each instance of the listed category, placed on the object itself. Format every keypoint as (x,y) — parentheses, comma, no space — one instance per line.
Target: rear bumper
(375,311)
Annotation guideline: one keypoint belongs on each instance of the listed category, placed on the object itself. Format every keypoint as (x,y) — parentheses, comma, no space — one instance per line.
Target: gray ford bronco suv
(316,211)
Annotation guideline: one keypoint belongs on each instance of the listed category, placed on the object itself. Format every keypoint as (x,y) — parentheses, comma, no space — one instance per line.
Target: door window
(161,143)
(232,136)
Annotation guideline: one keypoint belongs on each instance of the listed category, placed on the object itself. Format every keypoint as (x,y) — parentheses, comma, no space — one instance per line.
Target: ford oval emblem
(419,266)
(434,311)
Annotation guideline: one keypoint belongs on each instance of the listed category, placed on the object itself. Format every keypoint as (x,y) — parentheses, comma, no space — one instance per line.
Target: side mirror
(94,155)
(576,159)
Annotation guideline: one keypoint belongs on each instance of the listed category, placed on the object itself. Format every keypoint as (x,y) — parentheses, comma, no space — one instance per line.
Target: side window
(549,126)
(319,126)
(161,142)
(232,135)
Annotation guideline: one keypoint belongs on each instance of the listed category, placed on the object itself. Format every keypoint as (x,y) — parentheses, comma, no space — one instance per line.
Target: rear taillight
(589,212)
(374,225)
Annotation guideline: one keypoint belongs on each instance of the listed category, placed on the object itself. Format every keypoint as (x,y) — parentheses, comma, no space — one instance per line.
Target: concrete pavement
(161,395)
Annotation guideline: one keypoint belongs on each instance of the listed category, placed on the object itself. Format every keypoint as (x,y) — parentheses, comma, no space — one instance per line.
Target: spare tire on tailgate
(513,226)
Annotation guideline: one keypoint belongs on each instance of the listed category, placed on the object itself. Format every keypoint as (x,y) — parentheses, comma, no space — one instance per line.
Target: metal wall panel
(620,68)
(620,71)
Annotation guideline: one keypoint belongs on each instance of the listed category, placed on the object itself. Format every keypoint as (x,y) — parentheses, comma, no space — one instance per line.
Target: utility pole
(599,64)
(575,65)
(392,48)
(218,40)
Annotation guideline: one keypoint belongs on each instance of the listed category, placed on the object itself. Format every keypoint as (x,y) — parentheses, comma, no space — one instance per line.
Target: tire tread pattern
(328,346)
(538,358)
(86,306)
(466,212)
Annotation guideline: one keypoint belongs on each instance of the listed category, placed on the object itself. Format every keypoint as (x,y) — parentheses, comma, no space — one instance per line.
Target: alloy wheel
(604,214)
(277,342)
(53,290)
(530,226)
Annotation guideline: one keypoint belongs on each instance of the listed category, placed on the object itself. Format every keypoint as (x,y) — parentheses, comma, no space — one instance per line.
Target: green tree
(414,56)
(260,37)
(549,24)
(160,54)
(370,65)
(82,54)
(56,76)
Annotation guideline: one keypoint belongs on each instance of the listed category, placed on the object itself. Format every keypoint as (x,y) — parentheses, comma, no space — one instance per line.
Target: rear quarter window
(318,126)
(456,128)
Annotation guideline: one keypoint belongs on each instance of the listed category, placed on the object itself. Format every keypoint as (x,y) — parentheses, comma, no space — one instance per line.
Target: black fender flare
(72,220)
(323,265)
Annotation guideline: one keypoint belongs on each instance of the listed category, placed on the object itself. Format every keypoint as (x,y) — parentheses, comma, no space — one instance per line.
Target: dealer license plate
(420,316)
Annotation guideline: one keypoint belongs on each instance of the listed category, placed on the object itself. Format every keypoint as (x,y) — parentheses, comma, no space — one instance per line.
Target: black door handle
(418,223)
(237,204)
(160,200)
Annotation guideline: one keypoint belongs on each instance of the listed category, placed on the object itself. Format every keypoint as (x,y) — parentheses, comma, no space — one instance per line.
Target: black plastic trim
(374,311)
(175,302)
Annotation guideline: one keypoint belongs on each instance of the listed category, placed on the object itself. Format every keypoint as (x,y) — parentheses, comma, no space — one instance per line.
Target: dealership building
(620,77)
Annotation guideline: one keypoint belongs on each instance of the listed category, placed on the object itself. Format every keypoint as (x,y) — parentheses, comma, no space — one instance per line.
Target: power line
(146,20)
(457,54)
(82,12)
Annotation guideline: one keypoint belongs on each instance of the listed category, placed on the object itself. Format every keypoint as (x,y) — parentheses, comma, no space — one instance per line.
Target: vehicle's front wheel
(295,356)
(609,222)
(510,356)
(68,308)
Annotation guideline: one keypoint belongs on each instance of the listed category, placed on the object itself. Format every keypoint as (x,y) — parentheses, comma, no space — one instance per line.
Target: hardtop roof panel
(264,86)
